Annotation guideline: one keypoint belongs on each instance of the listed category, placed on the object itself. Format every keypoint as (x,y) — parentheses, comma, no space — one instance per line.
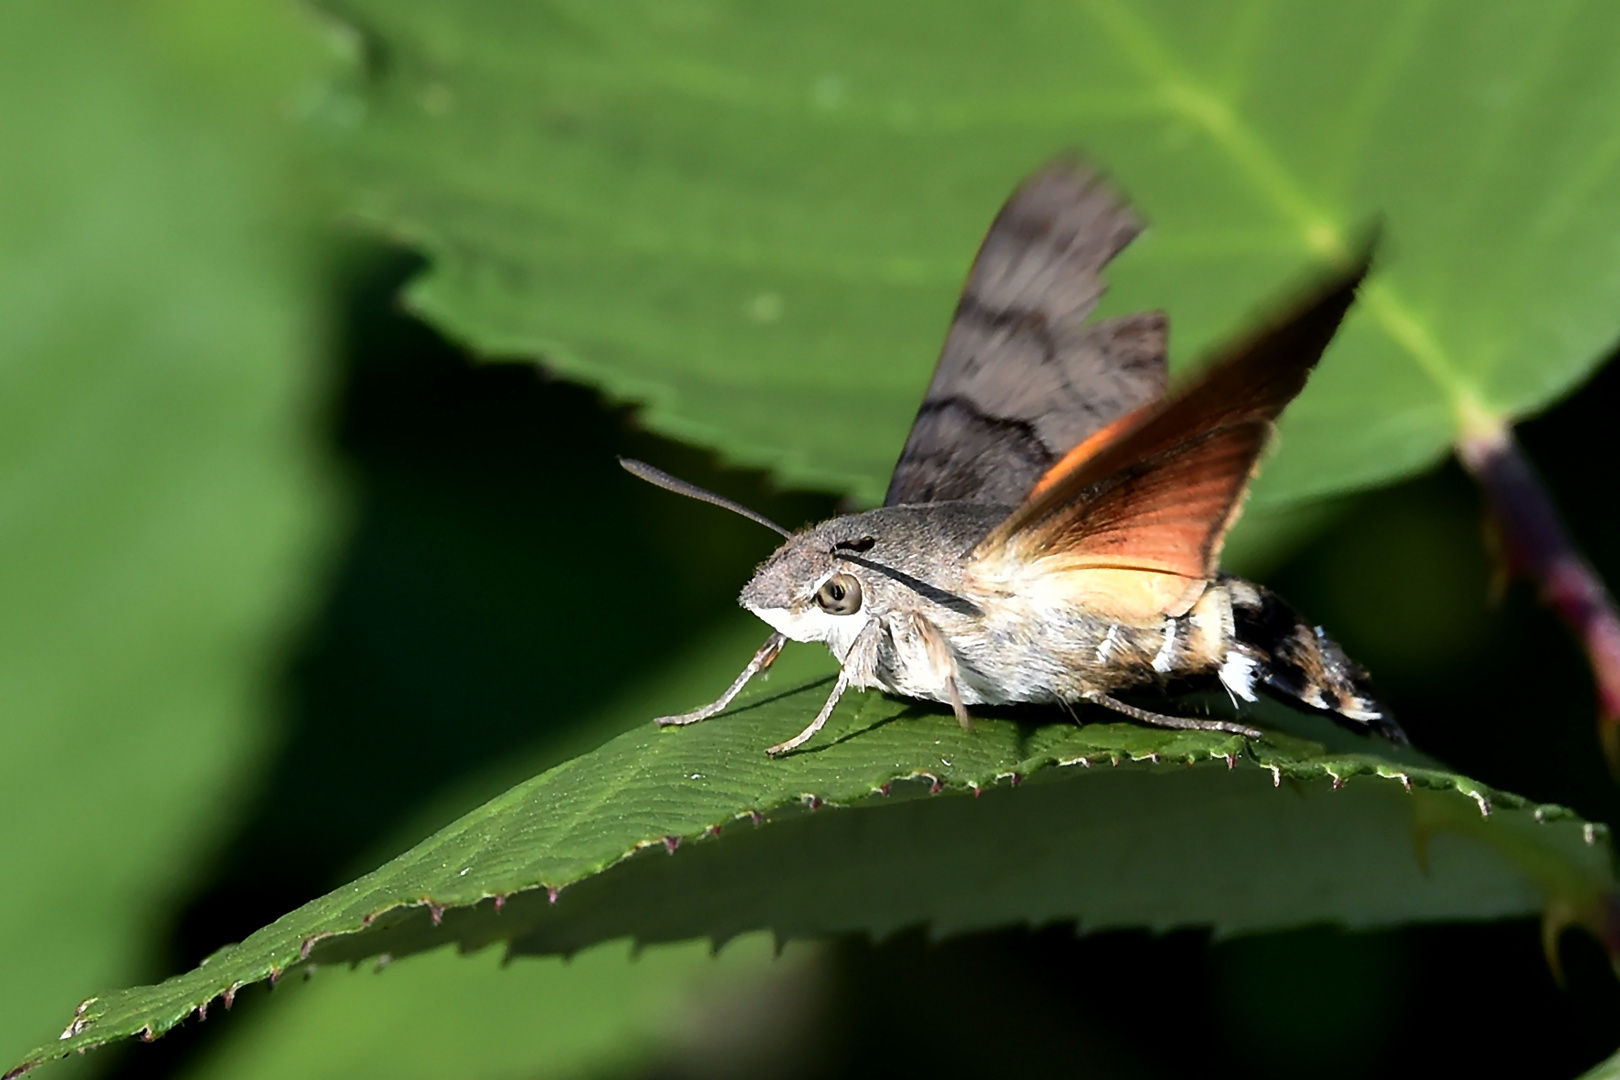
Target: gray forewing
(1023,378)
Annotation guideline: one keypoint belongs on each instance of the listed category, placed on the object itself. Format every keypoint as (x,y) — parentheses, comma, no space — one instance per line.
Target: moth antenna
(659,478)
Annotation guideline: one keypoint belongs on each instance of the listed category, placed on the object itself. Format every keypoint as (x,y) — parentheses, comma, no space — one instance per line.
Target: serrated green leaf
(600,1013)
(1186,829)
(160,508)
(755,218)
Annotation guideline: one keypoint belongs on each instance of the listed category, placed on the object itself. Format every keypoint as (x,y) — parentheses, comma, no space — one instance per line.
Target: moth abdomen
(1273,645)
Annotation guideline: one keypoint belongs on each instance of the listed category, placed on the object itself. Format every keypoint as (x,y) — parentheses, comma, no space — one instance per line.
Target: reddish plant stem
(1536,545)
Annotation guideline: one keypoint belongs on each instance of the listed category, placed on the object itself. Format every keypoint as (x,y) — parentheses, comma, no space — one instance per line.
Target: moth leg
(944,661)
(962,715)
(1184,723)
(855,671)
(763,659)
(815,725)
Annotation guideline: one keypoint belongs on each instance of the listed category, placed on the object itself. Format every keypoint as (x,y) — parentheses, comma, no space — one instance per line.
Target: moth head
(805,589)
(826,583)
(811,591)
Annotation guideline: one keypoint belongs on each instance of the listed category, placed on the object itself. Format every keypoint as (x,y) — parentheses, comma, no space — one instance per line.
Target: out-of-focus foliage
(602,1012)
(1607,1069)
(162,322)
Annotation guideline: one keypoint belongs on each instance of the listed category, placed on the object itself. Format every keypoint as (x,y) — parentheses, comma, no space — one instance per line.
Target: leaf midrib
(1230,133)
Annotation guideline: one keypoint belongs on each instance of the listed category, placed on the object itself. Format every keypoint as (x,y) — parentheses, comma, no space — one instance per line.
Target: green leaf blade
(756,221)
(665,836)
(160,507)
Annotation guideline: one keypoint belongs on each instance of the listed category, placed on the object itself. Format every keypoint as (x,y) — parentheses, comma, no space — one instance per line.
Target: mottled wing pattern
(1023,378)
(1133,519)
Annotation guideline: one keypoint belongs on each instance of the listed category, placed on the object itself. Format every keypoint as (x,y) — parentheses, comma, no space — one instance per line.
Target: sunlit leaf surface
(755,218)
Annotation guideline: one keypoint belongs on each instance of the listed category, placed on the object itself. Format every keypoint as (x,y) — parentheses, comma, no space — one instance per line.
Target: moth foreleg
(763,659)
(856,670)
(1185,723)
(815,725)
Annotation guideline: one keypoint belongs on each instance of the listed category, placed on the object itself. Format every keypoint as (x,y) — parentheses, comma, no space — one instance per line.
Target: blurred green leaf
(602,1012)
(755,218)
(1172,836)
(160,507)
(1607,1069)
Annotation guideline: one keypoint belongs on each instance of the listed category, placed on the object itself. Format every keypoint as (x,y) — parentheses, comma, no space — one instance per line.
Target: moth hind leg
(1184,723)
(762,660)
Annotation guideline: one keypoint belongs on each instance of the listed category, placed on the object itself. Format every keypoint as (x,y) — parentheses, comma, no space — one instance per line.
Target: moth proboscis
(1053,528)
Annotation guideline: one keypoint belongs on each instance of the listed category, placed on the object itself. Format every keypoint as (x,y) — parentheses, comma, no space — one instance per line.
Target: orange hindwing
(1131,521)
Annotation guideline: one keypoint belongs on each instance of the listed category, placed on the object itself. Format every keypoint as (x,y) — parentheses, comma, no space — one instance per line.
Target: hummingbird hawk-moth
(1053,528)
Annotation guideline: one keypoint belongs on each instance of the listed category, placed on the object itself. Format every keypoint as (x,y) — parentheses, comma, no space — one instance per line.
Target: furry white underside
(915,673)
(837,632)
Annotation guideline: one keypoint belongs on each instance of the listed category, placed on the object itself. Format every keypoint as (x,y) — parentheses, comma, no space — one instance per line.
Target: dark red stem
(1536,545)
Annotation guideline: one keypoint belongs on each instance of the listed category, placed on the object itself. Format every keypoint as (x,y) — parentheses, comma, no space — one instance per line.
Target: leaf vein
(1318,230)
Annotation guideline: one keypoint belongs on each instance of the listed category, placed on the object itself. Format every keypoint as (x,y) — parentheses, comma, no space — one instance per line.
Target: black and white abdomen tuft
(1273,647)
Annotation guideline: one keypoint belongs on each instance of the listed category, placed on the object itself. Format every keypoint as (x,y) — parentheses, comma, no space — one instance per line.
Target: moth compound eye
(839,595)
